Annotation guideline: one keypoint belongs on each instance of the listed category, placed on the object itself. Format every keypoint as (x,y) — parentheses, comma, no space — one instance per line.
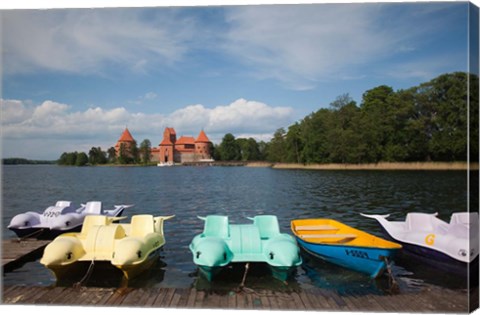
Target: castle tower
(167,146)
(127,140)
(202,147)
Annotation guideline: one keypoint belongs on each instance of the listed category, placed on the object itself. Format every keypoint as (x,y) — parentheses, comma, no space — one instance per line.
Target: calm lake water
(240,192)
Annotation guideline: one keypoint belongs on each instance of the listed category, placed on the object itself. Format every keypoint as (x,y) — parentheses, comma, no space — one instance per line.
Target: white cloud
(25,126)
(87,41)
(302,45)
(150,96)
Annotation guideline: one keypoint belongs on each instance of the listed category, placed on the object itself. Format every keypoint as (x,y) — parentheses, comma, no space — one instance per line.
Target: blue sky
(74,78)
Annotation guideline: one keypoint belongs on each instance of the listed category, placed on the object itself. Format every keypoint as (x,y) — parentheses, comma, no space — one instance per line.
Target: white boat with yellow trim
(450,247)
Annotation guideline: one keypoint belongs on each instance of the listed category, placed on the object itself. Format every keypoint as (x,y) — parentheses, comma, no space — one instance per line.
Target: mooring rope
(92,263)
(30,235)
(243,288)
(392,282)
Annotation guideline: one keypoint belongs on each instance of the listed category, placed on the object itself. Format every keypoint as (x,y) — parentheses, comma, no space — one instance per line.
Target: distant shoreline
(381,166)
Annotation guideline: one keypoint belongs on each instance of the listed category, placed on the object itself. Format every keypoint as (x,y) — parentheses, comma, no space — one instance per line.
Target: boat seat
(267,226)
(93,207)
(141,225)
(328,236)
(315,228)
(216,226)
(62,203)
(92,220)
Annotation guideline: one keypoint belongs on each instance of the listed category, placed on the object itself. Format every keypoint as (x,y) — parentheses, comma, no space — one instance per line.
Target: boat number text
(430,239)
(51,214)
(357,253)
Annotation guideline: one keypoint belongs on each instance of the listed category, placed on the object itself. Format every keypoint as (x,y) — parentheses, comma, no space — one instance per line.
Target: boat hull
(42,233)
(433,258)
(367,260)
(46,233)
(279,273)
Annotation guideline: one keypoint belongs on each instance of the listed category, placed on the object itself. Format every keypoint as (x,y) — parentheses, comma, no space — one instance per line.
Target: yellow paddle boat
(132,248)
(343,245)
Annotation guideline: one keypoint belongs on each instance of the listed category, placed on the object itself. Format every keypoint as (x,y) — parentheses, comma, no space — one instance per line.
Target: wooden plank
(165,298)
(7,289)
(29,292)
(12,292)
(272,300)
(93,296)
(175,299)
(14,295)
(232,301)
(117,297)
(184,293)
(191,298)
(264,300)
(152,295)
(107,294)
(319,301)
(131,299)
(144,296)
(306,301)
(199,297)
(240,297)
(16,253)
(297,301)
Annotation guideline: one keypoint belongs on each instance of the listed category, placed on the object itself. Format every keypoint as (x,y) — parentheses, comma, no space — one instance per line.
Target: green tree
(96,156)
(82,159)
(229,149)
(145,151)
(249,150)
(71,158)
(276,150)
(111,155)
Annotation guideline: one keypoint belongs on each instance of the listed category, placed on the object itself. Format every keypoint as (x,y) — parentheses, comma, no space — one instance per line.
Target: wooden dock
(435,299)
(428,299)
(15,253)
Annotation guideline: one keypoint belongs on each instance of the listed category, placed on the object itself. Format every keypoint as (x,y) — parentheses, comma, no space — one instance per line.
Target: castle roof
(202,137)
(185,140)
(166,141)
(126,136)
(171,131)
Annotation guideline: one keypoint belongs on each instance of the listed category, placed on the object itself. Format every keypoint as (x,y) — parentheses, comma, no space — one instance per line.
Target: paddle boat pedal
(343,245)
(62,218)
(222,243)
(132,248)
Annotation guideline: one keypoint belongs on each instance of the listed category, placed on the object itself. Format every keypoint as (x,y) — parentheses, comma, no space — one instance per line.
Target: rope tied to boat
(33,234)
(394,288)
(92,263)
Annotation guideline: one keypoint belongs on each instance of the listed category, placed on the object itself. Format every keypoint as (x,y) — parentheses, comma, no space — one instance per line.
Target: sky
(75,78)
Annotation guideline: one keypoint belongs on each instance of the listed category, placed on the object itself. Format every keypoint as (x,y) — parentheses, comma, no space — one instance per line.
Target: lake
(240,192)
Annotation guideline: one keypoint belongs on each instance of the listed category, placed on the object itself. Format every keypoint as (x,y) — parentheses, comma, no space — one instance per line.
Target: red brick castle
(171,150)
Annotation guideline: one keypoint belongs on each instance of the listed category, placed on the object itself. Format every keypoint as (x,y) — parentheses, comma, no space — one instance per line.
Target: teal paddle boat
(222,243)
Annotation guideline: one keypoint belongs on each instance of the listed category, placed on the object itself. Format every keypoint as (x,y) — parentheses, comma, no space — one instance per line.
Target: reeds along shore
(414,166)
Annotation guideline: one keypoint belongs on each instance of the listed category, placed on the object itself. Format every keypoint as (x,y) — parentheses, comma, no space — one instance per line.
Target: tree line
(428,122)
(96,156)
(19,161)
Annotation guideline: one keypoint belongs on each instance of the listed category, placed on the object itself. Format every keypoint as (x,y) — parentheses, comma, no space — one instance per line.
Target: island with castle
(171,150)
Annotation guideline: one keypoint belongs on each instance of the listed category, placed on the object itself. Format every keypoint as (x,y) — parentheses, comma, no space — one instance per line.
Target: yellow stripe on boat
(330,231)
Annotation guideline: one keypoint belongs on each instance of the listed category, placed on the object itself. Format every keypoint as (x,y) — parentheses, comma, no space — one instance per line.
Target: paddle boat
(446,246)
(221,244)
(343,245)
(132,247)
(62,218)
